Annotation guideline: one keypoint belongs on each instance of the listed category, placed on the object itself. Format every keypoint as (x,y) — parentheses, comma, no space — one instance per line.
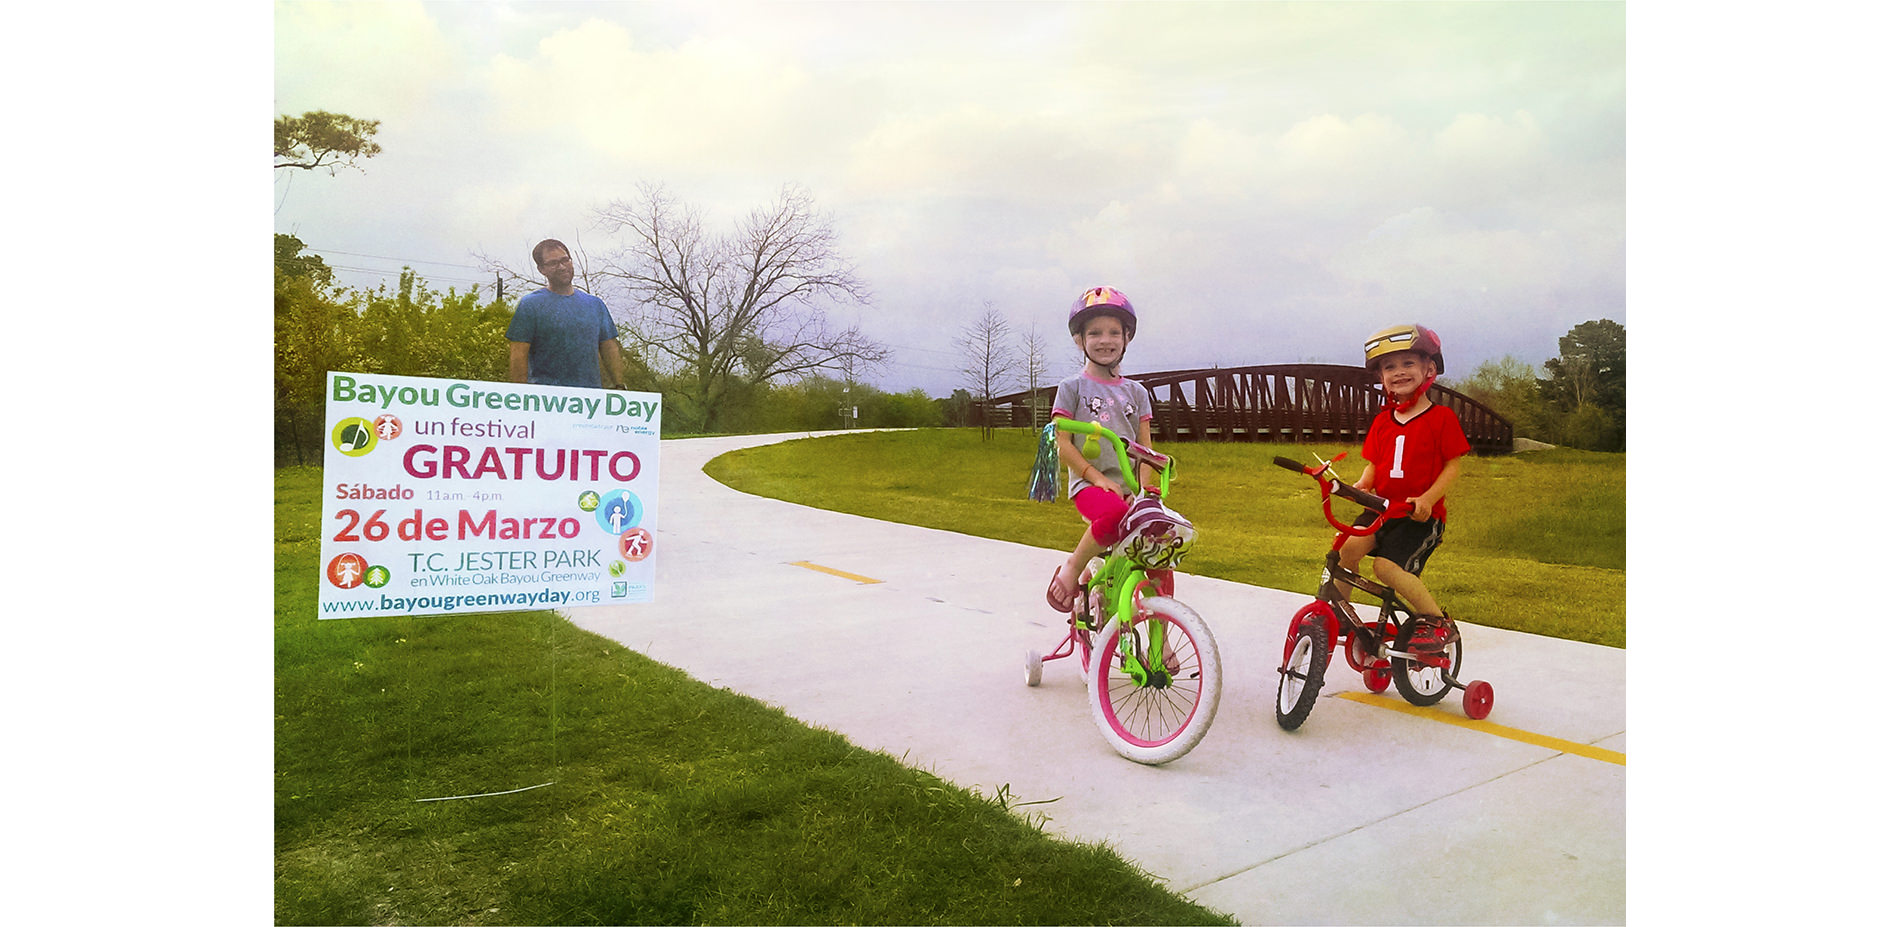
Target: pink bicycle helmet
(1102,300)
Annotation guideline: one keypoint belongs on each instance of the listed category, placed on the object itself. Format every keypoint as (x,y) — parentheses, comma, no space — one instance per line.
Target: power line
(387,273)
(384,257)
(913,347)
(924,367)
(391,273)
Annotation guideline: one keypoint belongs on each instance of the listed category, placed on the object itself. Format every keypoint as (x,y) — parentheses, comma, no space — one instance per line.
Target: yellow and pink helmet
(1102,300)
(1398,338)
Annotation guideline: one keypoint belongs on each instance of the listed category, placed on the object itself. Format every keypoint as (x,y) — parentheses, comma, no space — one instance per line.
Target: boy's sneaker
(1431,634)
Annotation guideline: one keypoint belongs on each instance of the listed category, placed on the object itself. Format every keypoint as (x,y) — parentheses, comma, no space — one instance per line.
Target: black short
(1405,542)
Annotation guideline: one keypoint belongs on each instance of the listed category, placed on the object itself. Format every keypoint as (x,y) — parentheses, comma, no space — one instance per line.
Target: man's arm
(518,361)
(610,362)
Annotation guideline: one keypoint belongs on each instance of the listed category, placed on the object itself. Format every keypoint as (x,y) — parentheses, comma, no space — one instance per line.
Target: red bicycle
(1421,657)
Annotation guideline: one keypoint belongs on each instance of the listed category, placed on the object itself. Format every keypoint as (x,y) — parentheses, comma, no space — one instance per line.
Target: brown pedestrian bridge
(1277,403)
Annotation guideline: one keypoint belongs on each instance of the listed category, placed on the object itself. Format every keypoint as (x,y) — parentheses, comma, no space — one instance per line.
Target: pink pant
(1104,511)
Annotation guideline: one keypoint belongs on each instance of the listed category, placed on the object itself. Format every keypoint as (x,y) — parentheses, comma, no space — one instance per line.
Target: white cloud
(1272,178)
(382,61)
(660,110)
(1486,141)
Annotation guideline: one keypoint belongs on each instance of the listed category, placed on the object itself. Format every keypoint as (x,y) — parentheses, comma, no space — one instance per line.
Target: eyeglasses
(569,261)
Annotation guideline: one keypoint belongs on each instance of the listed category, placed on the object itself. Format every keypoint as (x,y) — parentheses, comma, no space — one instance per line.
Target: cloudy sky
(1269,182)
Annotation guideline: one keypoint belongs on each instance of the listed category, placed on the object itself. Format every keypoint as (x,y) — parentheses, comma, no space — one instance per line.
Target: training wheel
(1358,657)
(1378,676)
(1478,699)
(1032,669)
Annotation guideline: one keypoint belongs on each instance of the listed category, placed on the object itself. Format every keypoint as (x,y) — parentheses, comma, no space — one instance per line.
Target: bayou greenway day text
(464,396)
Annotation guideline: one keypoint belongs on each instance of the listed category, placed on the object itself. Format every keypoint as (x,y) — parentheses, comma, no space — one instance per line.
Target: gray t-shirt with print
(1119,404)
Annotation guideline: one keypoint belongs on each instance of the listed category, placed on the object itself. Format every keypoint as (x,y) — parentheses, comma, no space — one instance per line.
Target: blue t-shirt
(563,334)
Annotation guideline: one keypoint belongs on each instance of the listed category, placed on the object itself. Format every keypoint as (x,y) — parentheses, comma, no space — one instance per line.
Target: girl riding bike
(1102,322)
(1150,662)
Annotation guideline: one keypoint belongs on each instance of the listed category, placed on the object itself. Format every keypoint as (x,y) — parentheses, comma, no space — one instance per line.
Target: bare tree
(987,359)
(1035,360)
(740,309)
(511,278)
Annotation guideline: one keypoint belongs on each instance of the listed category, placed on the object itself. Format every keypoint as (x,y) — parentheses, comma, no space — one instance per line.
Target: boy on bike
(1412,456)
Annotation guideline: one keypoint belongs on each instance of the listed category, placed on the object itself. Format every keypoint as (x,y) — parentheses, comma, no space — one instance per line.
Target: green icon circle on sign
(377,577)
(354,436)
(617,567)
(589,501)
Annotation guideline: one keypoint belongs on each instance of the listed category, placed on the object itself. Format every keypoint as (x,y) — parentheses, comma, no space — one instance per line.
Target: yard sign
(467,496)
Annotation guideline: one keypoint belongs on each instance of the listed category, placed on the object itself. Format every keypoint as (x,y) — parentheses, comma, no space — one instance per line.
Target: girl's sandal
(1060,597)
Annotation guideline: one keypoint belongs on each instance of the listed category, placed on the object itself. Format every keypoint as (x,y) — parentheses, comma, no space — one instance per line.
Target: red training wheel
(1478,699)
(1378,676)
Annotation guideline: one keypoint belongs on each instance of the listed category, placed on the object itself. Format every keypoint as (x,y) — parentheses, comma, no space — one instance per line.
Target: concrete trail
(1367,814)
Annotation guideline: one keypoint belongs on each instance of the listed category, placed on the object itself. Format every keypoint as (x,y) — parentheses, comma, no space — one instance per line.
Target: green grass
(1535,540)
(673,802)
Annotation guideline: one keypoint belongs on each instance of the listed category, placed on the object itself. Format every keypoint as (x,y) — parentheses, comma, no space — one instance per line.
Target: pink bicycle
(1421,657)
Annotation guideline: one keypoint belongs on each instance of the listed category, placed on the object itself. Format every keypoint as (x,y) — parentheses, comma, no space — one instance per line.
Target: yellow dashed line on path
(825,569)
(1496,730)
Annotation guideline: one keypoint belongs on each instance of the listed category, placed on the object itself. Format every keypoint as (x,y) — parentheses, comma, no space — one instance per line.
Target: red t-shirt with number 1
(1408,457)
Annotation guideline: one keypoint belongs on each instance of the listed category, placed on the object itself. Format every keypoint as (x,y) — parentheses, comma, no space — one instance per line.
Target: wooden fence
(1279,403)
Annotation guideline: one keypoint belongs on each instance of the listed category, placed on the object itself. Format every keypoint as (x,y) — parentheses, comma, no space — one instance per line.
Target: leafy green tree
(827,403)
(1589,366)
(955,409)
(910,409)
(1579,402)
(291,262)
(411,330)
(1591,427)
(1510,387)
(820,403)
(1588,373)
(415,331)
(314,332)
(322,139)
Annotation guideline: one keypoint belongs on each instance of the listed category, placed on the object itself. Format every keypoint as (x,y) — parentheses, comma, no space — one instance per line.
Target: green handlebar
(1165,466)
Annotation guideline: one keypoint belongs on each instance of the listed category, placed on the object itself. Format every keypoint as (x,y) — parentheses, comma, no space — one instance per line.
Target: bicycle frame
(1154,674)
(1381,655)
(1120,580)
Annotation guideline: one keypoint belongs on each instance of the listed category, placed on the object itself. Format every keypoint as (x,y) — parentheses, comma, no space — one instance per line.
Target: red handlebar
(1332,486)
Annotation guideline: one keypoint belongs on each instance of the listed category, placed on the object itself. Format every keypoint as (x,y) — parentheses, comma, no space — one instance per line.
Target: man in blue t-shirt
(561,336)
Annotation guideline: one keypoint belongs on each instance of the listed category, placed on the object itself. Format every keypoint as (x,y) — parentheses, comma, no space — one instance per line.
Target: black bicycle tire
(1313,636)
(1402,673)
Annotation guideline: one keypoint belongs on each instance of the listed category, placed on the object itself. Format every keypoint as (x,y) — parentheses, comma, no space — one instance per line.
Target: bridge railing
(1277,403)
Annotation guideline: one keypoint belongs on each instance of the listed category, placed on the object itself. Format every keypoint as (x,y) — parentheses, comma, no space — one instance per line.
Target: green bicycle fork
(1149,669)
